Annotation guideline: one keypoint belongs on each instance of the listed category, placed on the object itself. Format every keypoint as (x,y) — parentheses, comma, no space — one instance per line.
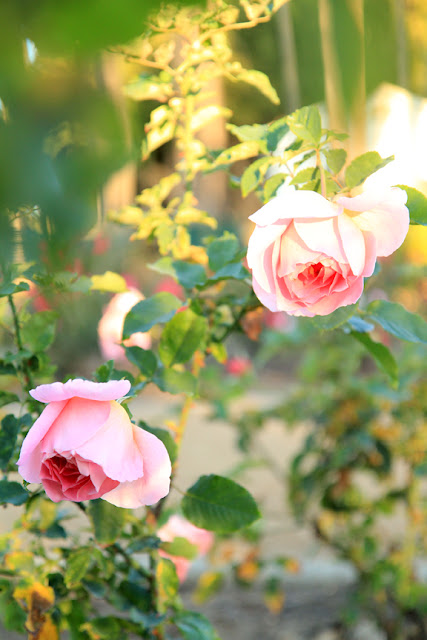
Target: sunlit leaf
(219,504)
(417,205)
(396,320)
(181,337)
(363,166)
(306,124)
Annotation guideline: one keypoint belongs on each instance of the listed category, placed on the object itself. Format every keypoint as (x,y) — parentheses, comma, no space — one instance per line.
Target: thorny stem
(29,383)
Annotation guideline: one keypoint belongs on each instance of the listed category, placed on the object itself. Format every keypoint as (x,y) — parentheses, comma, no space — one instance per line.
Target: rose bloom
(84,446)
(179,527)
(309,256)
(110,327)
(238,366)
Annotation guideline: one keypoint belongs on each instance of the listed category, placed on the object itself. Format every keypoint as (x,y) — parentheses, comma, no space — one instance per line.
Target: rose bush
(179,527)
(309,256)
(84,446)
(110,327)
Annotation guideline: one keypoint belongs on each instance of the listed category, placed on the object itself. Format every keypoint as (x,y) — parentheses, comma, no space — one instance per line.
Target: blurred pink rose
(84,446)
(279,320)
(170,285)
(110,327)
(101,244)
(179,527)
(309,256)
(238,366)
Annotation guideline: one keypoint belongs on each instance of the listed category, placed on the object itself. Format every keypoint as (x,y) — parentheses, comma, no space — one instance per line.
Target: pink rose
(238,366)
(84,446)
(309,256)
(110,327)
(179,527)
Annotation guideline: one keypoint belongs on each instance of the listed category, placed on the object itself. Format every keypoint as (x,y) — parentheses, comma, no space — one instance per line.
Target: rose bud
(110,327)
(84,446)
(179,527)
(309,256)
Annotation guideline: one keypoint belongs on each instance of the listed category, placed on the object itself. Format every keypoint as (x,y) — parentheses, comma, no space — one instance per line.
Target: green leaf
(109,281)
(305,175)
(222,251)
(219,504)
(6,369)
(12,493)
(254,174)
(175,381)
(167,583)
(234,271)
(306,123)
(144,315)
(180,547)
(104,628)
(148,88)
(363,166)
(188,274)
(107,520)
(248,132)
(335,159)
(261,81)
(6,397)
(9,288)
(13,617)
(181,337)
(417,205)
(165,437)
(272,184)
(8,435)
(396,320)
(219,351)
(204,115)
(336,318)
(78,563)
(194,626)
(276,131)
(240,151)
(381,354)
(144,359)
(38,332)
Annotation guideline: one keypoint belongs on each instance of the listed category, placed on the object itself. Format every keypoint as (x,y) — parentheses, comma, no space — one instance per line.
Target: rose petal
(30,458)
(294,251)
(114,447)
(80,420)
(384,214)
(322,235)
(371,253)
(294,205)
(330,303)
(155,483)
(260,241)
(268,298)
(58,391)
(353,243)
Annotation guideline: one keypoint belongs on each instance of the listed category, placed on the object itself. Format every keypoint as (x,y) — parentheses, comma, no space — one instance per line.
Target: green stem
(232,327)
(28,378)
(322,173)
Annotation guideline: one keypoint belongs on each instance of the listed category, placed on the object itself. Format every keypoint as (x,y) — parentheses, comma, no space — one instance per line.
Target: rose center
(311,272)
(74,479)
